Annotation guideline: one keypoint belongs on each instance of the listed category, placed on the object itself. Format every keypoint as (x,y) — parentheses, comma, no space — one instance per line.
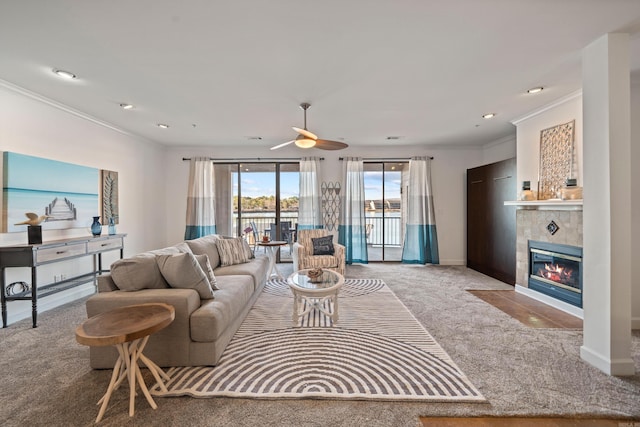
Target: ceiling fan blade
(305,132)
(283,144)
(325,144)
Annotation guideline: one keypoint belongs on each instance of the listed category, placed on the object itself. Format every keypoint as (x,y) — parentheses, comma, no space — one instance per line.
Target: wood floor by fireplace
(556,270)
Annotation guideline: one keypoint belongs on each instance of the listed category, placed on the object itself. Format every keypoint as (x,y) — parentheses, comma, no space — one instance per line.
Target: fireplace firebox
(556,270)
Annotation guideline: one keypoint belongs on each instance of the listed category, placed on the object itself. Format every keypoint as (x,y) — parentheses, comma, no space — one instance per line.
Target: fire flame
(556,273)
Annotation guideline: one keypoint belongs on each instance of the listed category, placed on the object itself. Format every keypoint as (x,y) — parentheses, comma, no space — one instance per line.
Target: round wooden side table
(128,329)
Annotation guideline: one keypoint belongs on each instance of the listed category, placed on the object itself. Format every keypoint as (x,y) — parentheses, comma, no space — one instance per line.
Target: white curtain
(310,205)
(200,199)
(421,238)
(352,229)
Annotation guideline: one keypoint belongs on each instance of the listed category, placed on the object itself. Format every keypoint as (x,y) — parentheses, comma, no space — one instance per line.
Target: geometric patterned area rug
(376,350)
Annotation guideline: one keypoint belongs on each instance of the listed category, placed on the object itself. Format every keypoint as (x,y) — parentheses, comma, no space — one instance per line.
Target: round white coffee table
(315,292)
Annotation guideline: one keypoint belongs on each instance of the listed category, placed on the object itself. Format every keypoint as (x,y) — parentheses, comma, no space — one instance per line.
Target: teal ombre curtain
(310,205)
(421,238)
(201,218)
(352,227)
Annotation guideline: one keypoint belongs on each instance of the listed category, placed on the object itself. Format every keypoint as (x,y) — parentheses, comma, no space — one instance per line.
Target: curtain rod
(249,159)
(383,159)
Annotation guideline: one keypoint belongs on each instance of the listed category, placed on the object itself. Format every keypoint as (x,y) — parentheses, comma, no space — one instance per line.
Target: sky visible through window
(256,184)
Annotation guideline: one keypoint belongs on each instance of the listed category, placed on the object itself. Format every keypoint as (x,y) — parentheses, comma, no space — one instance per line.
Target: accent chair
(304,258)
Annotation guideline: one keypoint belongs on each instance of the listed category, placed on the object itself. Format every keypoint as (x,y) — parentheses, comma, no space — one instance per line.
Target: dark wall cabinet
(491,226)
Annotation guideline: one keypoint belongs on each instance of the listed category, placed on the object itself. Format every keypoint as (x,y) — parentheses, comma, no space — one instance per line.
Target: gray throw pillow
(206,245)
(323,245)
(183,271)
(203,260)
(232,251)
(138,272)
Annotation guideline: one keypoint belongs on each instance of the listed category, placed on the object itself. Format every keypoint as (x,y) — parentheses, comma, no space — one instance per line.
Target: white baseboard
(453,262)
(19,310)
(555,303)
(620,367)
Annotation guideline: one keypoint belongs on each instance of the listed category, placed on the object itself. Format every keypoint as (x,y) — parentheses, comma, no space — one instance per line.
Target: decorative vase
(112,226)
(96,227)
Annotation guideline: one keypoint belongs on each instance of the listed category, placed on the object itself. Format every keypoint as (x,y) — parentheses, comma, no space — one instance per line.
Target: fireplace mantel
(548,205)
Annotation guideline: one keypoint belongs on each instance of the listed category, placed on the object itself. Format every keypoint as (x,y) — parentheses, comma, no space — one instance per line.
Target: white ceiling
(221,72)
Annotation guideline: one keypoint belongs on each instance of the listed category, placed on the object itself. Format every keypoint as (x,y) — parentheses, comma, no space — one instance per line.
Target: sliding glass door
(265,203)
(385,209)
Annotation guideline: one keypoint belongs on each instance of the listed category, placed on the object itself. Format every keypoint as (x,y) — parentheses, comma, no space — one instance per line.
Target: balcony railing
(393,233)
(392,230)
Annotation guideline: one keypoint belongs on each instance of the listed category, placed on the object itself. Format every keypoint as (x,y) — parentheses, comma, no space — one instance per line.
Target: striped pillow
(232,251)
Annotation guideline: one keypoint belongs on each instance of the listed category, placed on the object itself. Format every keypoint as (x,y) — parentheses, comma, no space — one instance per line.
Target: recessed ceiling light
(126,106)
(535,89)
(163,126)
(64,74)
(488,115)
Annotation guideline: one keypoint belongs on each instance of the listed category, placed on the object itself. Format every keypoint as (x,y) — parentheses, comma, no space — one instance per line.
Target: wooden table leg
(113,384)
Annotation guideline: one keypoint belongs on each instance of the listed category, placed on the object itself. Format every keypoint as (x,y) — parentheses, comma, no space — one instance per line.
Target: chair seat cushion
(319,261)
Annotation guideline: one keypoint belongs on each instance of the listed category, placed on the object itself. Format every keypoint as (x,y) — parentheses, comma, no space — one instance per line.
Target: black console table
(34,256)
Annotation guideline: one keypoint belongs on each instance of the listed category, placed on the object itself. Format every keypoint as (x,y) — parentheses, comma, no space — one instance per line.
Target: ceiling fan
(308,139)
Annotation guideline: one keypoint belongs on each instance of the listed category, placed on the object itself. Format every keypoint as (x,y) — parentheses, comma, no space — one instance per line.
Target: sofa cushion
(210,320)
(256,268)
(232,251)
(206,245)
(184,271)
(203,260)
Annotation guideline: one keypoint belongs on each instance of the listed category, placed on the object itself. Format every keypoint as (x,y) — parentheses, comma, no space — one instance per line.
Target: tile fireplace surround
(531,224)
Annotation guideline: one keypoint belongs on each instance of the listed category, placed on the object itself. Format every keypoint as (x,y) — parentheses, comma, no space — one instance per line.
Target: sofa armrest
(106,283)
(185,301)
(297,253)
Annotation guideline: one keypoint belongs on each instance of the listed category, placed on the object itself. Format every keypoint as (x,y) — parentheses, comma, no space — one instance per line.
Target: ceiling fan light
(305,142)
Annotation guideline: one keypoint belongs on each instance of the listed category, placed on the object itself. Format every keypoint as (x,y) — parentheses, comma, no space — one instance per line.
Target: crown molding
(554,104)
(43,99)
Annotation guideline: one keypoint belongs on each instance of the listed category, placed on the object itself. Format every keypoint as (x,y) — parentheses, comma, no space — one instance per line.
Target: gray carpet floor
(45,377)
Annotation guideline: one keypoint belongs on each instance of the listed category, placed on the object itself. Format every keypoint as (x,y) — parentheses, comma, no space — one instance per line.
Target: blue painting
(65,193)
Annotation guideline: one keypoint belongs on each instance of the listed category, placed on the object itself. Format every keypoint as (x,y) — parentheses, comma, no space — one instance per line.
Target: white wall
(502,149)
(528,135)
(635,202)
(448,174)
(32,127)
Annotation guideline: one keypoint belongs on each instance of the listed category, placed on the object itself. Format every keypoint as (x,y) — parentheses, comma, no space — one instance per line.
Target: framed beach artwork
(67,193)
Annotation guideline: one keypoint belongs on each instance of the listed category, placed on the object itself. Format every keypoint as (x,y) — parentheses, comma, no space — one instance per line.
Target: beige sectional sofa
(204,323)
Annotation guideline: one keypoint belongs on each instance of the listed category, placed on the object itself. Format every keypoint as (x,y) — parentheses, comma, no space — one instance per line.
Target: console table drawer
(60,252)
(105,245)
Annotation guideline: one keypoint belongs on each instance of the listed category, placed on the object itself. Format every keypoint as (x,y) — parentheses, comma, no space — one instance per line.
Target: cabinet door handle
(105,244)
(502,177)
(476,182)
(60,252)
